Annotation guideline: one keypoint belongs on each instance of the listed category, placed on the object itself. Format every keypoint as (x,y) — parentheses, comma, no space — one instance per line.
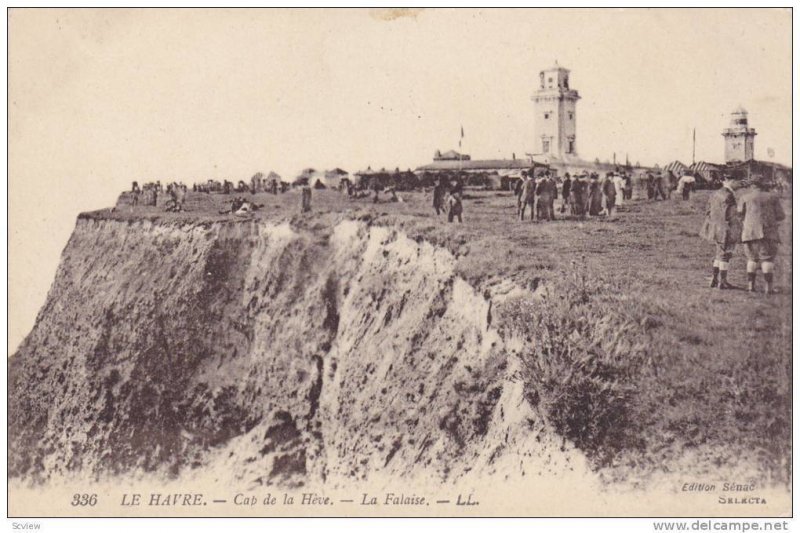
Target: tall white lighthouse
(555,123)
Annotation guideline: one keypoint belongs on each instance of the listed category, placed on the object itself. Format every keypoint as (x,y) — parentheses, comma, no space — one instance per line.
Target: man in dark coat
(651,186)
(454,206)
(594,200)
(565,190)
(439,192)
(577,196)
(527,196)
(545,195)
(609,193)
(628,186)
(135,193)
(659,187)
(305,198)
(721,227)
(761,214)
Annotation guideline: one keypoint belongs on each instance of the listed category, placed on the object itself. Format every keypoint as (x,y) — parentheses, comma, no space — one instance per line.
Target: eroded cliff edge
(275,354)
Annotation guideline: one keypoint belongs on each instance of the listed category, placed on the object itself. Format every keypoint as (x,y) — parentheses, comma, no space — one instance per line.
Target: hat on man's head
(733,181)
(761,181)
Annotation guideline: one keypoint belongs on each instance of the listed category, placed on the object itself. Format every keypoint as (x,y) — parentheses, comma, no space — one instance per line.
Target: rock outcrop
(273,354)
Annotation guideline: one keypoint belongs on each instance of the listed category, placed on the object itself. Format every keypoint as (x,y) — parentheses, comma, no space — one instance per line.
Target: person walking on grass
(619,186)
(518,190)
(627,190)
(594,199)
(761,215)
(609,194)
(566,186)
(651,186)
(454,207)
(439,192)
(659,187)
(305,199)
(577,196)
(545,195)
(721,227)
(685,184)
(527,196)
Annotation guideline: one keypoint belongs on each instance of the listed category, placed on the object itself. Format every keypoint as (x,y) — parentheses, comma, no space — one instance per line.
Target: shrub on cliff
(579,359)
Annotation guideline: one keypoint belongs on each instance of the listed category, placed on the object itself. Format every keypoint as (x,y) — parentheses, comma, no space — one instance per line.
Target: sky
(100,98)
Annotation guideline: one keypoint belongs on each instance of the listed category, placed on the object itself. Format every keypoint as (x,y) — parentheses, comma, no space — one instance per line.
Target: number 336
(84,499)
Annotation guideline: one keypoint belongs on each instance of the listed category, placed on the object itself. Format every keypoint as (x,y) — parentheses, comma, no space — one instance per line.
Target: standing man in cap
(545,195)
(761,213)
(527,195)
(685,184)
(619,185)
(660,188)
(651,186)
(721,227)
(577,197)
(305,198)
(565,190)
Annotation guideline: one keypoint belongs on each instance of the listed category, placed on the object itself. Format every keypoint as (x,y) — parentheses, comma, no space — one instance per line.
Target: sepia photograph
(400,262)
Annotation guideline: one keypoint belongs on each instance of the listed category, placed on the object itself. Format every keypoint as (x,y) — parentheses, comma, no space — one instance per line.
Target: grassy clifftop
(623,350)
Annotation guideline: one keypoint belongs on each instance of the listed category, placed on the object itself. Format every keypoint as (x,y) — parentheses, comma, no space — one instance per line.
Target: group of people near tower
(660,184)
(583,194)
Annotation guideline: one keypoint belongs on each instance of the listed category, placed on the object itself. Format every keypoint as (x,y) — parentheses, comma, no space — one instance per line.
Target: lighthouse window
(545,146)
(546,116)
(570,115)
(570,146)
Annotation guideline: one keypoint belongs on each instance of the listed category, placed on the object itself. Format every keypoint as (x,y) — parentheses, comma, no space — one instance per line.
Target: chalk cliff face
(276,354)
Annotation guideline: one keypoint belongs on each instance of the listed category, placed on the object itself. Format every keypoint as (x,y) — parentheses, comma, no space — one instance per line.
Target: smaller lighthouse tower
(738,137)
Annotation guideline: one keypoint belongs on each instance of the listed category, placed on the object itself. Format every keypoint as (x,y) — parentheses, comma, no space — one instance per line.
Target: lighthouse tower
(738,137)
(554,103)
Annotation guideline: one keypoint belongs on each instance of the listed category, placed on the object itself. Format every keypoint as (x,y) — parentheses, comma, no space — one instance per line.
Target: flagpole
(694,134)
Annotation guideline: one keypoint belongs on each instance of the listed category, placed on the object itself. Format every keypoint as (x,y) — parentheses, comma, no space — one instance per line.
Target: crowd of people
(149,193)
(582,194)
(752,221)
(175,192)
